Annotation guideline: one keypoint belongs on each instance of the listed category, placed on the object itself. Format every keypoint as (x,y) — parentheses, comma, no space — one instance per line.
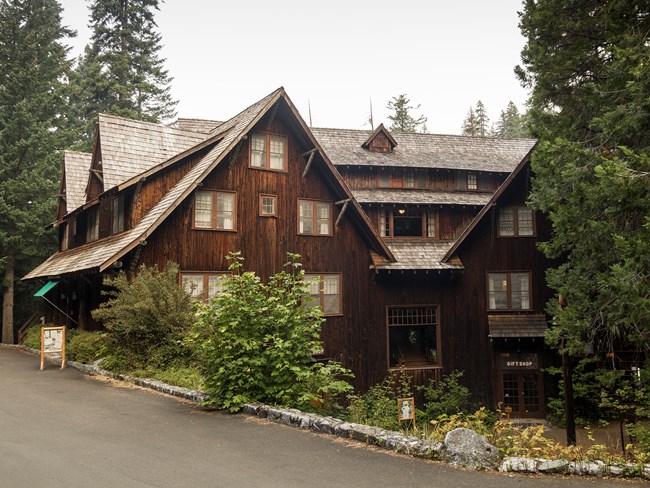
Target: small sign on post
(52,341)
(406,410)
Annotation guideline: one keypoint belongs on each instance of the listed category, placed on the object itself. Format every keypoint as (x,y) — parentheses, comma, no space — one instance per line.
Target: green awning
(46,287)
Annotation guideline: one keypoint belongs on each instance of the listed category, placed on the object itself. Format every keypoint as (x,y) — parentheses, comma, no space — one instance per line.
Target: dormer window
(92,225)
(268,151)
(380,140)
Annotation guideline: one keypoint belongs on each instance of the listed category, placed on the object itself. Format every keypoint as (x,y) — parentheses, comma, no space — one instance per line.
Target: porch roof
(517,325)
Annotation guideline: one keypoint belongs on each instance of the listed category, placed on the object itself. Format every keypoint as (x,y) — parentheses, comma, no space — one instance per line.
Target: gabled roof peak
(380,140)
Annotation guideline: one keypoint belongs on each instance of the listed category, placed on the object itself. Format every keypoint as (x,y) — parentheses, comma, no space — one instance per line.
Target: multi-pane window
(268,151)
(268,205)
(92,225)
(314,217)
(64,237)
(118,214)
(203,286)
(326,290)
(407,222)
(509,291)
(472,181)
(413,336)
(407,179)
(516,221)
(214,210)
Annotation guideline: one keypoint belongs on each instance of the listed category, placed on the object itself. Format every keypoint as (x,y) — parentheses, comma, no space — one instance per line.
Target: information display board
(52,341)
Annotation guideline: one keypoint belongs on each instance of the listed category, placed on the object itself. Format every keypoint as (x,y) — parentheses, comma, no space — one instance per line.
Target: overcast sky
(337,55)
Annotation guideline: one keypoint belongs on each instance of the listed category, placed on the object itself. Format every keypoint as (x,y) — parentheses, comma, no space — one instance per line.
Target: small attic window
(380,140)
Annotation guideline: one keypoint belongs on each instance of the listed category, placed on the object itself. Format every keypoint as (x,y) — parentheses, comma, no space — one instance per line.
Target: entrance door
(522,392)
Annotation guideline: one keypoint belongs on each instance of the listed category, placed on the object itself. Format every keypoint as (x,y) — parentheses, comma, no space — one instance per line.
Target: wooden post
(51,343)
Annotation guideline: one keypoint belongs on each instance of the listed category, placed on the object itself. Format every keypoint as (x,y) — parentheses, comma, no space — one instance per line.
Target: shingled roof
(344,147)
(204,126)
(130,147)
(420,255)
(75,172)
(420,197)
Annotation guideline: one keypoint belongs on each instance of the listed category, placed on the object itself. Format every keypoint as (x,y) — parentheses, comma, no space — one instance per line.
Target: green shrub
(33,337)
(146,319)
(255,342)
(85,347)
(185,376)
(449,397)
(378,406)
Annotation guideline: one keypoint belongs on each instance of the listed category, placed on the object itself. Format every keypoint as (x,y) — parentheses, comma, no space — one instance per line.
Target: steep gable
(72,190)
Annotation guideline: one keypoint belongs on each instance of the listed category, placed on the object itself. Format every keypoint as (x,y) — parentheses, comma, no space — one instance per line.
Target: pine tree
(121,72)
(588,65)
(477,121)
(33,63)
(401,118)
(511,123)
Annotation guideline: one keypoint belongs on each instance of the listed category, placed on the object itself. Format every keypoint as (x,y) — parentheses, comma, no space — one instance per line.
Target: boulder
(464,447)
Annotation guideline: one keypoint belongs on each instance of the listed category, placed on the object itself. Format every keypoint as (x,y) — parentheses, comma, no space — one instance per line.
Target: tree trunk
(8,302)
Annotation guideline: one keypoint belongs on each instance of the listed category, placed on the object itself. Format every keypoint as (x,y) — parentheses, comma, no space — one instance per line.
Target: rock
(518,464)
(464,447)
(552,466)
(363,433)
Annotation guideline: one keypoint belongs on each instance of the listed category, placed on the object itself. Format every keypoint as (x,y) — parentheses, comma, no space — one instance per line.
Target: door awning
(517,325)
(45,288)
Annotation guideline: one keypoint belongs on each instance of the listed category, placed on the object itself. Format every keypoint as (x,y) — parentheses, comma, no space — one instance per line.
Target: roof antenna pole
(309,105)
(372,123)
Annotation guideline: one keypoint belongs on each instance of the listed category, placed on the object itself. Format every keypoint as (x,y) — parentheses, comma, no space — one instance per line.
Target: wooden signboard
(406,409)
(52,341)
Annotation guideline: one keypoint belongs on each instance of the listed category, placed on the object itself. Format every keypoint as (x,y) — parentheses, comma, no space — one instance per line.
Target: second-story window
(268,151)
(92,225)
(64,237)
(214,210)
(314,217)
(118,214)
(509,291)
(516,221)
(268,205)
(407,222)
(472,181)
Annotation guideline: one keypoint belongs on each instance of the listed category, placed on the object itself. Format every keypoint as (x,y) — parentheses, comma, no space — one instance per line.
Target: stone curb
(387,439)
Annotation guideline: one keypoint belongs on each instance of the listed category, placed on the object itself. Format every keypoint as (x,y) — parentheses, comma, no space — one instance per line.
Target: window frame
(399,179)
(267,152)
(214,212)
(509,291)
(315,219)
(386,225)
(515,221)
(119,213)
(206,281)
(261,212)
(65,236)
(436,307)
(321,296)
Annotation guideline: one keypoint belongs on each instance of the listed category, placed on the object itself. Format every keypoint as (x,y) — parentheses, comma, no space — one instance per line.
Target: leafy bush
(378,406)
(146,319)
(254,342)
(33,337)
(85,347)
(184,376)
(449,397)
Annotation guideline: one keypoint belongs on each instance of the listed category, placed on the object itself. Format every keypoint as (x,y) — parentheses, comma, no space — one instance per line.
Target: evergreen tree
(477,121)
(401,118)
(511,123)
(33,63)
(121,72)
(588,65)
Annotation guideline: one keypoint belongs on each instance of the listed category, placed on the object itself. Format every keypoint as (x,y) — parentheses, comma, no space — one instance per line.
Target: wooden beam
(345,206)
(272,117)
(309,161)
(309,152)
(341,202)
(98,174)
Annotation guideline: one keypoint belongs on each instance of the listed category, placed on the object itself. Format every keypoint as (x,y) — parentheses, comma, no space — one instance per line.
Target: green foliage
(511,123)
(33,65)
(184,376)
(477,122)
(33,337)
(640,431)
(378,406)
(121,72)
(401,118)
(146,319)
(84,346)
(254,342)
(588,66)
(449,397)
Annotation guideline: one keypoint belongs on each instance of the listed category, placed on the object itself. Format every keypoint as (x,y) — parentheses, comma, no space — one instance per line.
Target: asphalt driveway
(61,428)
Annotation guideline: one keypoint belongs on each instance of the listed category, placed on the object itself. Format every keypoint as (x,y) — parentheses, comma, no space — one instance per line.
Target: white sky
(336,55)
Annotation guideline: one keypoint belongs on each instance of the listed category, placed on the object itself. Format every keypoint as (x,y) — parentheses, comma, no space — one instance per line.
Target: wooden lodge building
(425,247)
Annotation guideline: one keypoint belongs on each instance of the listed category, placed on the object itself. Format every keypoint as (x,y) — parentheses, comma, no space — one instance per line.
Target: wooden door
(522,392)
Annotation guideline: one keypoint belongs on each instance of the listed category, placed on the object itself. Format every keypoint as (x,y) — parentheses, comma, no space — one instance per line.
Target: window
(509,291)
(315,217)
(92,225)
(118,214)
(414,180)
(408,179)
(413,336)
(326,292)
(64,237)
(203,286)
(516,221)
(472,181)
(214,210)
(268,205)
(268,151)
(407,222)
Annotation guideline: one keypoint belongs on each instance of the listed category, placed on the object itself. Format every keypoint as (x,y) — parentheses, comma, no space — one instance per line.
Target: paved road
(65,429)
